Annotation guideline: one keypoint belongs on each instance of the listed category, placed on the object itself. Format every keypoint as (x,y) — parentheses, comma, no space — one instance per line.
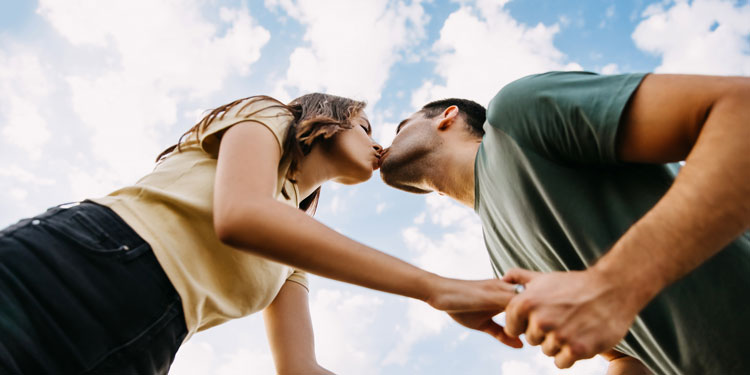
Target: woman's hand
(482,321)
(473,304)
(454,295)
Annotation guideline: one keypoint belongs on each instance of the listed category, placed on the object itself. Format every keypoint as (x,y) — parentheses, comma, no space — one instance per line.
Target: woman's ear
(448,117)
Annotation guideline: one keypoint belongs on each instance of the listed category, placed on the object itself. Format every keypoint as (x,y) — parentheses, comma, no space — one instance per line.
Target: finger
(495,330)
(517,315)
(534,334)
(520,276)
(551,345)
(565,358)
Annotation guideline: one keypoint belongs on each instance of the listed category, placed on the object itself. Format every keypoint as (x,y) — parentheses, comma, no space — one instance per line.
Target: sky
(92,90)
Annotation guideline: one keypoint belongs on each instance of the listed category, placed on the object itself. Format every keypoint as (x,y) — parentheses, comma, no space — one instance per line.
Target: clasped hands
(572,315)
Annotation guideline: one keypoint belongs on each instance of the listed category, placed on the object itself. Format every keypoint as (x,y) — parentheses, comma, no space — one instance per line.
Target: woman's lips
(382,156)
(379,159)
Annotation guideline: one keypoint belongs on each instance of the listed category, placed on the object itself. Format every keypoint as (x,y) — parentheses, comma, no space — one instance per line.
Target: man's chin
(390,181)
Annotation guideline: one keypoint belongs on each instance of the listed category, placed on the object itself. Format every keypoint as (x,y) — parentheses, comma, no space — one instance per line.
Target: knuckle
(533,339)
(577,349)
(597,348)
(549,349)
(527,304)
(545,324)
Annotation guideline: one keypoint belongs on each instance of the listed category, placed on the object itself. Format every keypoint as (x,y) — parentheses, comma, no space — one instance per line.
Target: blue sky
(91,91)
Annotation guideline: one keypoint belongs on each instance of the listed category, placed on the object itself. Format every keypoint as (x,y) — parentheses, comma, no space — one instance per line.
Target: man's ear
(448,117)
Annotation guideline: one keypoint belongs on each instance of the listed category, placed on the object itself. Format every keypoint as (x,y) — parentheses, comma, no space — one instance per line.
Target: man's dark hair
(473,112)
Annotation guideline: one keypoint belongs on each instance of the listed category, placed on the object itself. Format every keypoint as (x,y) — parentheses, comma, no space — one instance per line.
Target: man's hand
(482,321)
(573,315)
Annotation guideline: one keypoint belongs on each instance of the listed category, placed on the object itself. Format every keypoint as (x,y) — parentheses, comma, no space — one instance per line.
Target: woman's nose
(377,147)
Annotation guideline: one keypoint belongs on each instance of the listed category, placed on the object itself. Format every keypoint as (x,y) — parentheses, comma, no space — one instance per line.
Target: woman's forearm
(290,332)
(284,234)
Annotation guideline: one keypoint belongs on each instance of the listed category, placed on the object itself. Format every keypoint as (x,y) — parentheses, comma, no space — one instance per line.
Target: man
(568,173)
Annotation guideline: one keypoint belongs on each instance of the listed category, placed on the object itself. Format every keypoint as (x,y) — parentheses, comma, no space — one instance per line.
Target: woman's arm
(247,216)
(290,332)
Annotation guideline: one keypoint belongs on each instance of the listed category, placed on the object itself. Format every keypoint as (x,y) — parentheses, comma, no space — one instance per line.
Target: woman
(116,284)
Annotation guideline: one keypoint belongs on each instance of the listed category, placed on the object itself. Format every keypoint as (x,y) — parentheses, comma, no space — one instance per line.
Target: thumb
(495,330)
(520,276)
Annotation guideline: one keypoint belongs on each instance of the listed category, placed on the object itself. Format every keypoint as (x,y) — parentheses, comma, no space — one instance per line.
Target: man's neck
(454,172)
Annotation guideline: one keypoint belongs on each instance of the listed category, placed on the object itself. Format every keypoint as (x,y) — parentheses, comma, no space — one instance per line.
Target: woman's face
(354,152)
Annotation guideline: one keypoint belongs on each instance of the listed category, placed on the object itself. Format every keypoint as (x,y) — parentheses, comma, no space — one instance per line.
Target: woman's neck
(312,171)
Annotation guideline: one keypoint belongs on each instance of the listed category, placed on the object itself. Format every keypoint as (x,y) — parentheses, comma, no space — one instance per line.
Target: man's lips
(381,157)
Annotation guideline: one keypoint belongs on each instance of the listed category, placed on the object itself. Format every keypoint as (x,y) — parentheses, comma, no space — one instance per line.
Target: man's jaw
(401,185)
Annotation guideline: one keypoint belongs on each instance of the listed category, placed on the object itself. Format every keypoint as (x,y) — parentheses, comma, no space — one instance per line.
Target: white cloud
(610,69)
(540,364)
(23,87)
(335,206)
(195,357)
(385,132)
(609,14)
(23,176)
(482,48)
(341,319)
(18,193)
(458,251)
(85,183)
(424,321)
(26,128)
(247,361)
(199,357)
(352,44)
(420,218)
(130,94)
(702,36)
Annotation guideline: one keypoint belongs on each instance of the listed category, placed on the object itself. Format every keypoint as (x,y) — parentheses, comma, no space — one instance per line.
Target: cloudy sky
(91,91)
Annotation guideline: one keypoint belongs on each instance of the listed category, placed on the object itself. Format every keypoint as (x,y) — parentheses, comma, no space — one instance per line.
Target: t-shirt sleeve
(263,112)
(299,277)
(570,116)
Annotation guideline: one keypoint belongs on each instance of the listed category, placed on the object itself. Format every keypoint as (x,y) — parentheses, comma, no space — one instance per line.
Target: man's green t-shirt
(552,197)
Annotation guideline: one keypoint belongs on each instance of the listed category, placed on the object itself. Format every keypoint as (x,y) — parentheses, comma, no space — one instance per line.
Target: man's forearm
(707,207)
(627,366)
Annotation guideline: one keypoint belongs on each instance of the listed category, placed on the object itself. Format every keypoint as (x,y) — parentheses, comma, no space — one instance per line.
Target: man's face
(405,163)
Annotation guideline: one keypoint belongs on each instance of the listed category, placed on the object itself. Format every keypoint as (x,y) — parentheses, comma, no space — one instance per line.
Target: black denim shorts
(82,293)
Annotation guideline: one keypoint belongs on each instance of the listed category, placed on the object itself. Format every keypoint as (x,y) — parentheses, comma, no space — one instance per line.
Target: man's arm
(290,332)
(704,120)
(621,364)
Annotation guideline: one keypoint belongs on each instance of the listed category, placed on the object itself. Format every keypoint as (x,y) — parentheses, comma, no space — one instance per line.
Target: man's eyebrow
(400,124)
